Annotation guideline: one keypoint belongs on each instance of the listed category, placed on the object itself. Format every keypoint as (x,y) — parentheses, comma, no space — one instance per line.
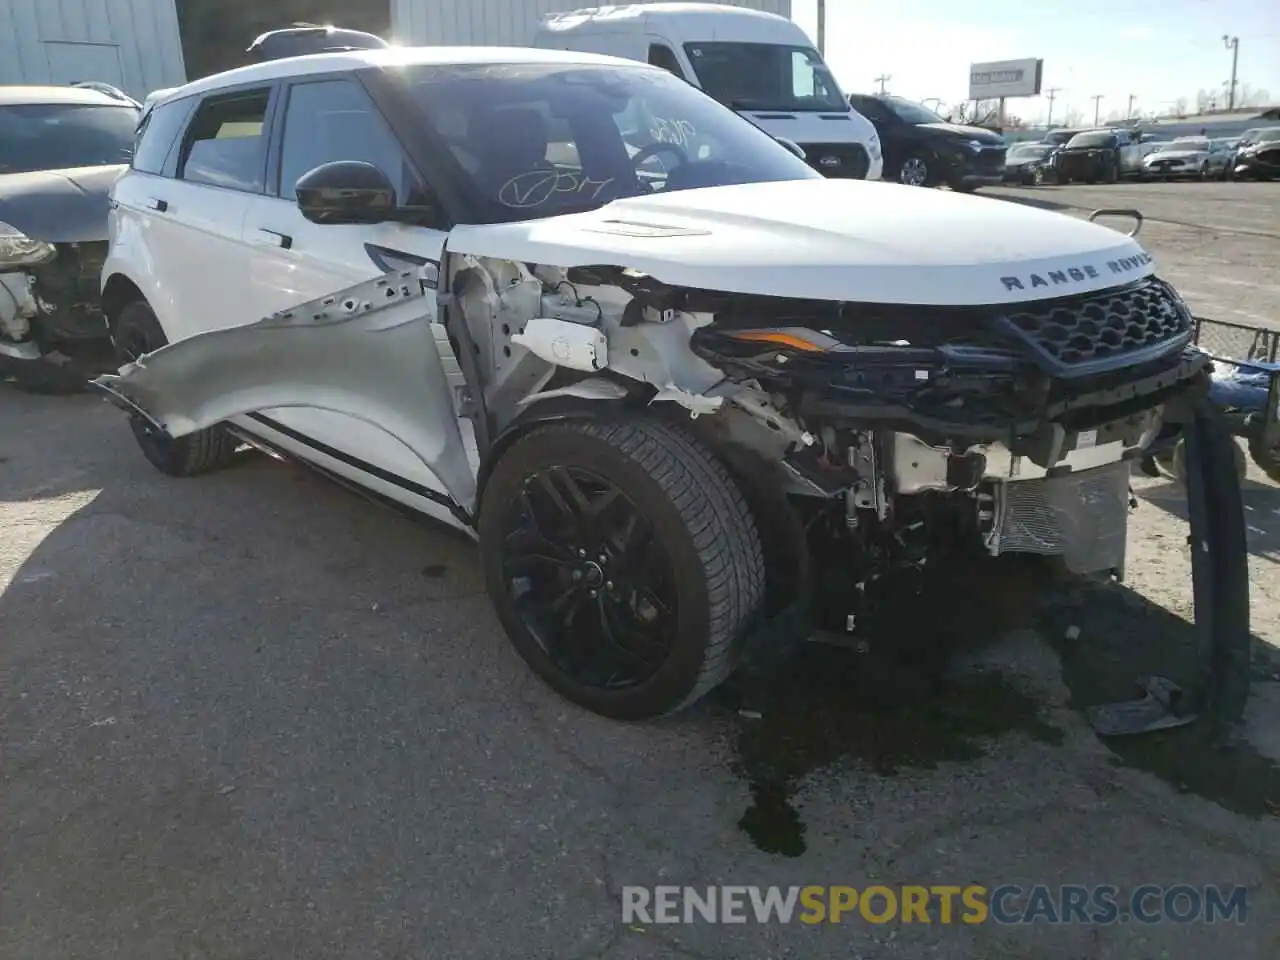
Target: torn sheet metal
(366,352)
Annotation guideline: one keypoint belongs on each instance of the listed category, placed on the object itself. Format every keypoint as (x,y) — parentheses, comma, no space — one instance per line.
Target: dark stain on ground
(890,707)
(1100,668)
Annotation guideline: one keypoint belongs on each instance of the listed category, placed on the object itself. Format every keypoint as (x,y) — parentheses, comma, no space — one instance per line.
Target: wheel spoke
(589,577)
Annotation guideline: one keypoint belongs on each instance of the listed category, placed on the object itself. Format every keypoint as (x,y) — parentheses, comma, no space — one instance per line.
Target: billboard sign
(1005,78)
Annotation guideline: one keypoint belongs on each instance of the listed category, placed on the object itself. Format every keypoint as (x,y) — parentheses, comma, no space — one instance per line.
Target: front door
(293,260)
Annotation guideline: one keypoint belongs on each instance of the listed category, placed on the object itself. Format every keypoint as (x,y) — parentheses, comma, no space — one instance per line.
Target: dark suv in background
(921,149)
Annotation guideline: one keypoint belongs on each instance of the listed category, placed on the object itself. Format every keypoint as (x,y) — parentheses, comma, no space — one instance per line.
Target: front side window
(331,120)
(226,145)
(765,76)
(57,136)
(660,55)
(535,140)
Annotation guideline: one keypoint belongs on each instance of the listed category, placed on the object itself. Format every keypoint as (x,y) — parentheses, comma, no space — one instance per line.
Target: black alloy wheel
(623,562)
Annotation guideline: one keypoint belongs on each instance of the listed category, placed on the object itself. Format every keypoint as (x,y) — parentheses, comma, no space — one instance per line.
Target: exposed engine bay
(882,423)
(51,323)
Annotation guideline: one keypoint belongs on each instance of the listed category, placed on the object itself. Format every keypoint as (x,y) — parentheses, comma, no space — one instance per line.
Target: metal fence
(1237,341)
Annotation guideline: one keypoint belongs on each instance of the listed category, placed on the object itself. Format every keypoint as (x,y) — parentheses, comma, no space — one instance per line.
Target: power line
(882,80)
(1097,106)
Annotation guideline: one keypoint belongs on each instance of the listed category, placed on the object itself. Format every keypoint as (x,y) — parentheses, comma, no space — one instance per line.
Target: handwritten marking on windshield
(677,132)
(538,186)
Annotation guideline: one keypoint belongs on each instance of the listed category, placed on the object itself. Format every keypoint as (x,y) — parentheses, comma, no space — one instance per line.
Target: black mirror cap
(346,191)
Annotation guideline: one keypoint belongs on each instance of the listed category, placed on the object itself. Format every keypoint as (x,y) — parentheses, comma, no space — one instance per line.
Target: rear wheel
(137,331)
(623,562)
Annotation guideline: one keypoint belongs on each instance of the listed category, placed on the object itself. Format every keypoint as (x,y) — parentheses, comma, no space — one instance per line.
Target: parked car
(107,88)
(1024,163)
(1260,158)
(1184,157)
(305,39)
(1092,156)
(921,149)
(649,390)
(60,150)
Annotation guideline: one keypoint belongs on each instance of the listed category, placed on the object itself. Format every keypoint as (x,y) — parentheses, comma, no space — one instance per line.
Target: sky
(1154,50)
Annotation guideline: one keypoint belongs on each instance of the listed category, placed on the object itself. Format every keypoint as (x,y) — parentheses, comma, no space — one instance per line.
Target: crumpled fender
(367,352)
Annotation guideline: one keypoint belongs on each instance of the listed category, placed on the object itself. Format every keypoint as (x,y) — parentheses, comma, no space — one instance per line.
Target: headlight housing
(19,250)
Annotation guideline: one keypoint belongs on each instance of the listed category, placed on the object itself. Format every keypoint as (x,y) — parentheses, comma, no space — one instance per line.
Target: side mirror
(793,147)
(346,191)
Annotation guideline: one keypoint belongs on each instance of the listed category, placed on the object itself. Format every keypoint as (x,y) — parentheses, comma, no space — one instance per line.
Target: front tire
(623,562)
(137,331)
(914,171)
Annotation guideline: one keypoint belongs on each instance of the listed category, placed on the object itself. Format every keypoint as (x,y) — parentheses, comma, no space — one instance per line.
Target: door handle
(160,206)
(281,240)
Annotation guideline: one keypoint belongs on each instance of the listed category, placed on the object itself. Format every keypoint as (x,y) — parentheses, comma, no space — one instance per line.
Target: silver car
(1185,157)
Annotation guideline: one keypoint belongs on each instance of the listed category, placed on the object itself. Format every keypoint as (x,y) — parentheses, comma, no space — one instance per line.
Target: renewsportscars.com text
(942,904)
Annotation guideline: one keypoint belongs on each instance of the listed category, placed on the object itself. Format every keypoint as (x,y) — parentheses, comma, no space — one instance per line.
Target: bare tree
(1251,96)
(1180,107)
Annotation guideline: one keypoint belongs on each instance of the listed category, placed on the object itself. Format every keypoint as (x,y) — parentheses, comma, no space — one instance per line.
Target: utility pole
(882,80)
(1097,107)
(1129,113)
(822,28)
(1053,95)
(1232,44)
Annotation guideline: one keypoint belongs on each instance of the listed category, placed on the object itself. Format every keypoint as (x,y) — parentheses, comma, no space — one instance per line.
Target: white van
(759,64)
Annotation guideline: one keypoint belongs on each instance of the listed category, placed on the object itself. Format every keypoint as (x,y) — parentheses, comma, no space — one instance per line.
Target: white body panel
(130,44)
(830,240)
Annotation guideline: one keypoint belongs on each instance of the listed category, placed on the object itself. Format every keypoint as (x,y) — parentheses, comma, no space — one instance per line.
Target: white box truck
(745,54)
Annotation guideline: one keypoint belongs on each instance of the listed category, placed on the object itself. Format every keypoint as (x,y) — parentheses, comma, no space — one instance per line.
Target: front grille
(1082,333)
(1079,516)
(845,161)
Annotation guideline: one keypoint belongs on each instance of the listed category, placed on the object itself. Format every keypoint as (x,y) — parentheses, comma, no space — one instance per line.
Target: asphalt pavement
(253,715)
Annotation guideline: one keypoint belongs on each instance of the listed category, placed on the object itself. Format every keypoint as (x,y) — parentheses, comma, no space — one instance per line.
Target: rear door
(190,216)
(292,260)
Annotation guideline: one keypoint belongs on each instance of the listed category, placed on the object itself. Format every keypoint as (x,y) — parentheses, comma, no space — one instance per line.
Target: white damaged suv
(676,394)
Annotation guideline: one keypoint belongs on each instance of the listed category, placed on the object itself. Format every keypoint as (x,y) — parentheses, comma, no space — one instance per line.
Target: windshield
(536,140)
(1058,137)
(910,111)
(1091,140)
(56,136)
(1028,150)
(1189,143)
(766,76)
(1269,135)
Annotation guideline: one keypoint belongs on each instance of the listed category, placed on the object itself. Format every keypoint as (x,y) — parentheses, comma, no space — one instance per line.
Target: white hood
(1177,155)
(830,240)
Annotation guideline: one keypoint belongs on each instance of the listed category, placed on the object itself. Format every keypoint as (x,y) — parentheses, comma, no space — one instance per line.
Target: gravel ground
(254,715)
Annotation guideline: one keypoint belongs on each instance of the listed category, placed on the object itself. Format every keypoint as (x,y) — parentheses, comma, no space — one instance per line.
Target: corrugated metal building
(132,44)
(501,22)
(138,46)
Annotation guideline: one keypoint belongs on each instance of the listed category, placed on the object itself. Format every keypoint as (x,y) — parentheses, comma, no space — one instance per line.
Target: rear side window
(332,120)
(158,134)
(226,145)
